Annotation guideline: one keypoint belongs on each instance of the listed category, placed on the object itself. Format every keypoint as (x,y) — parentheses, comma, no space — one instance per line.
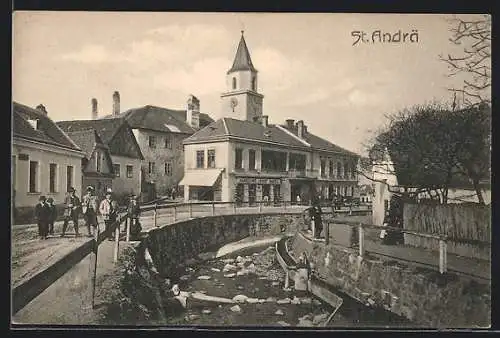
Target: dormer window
(234,83)
(34,123)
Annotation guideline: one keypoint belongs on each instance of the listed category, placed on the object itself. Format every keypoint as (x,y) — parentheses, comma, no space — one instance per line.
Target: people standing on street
(89,210)
(71,211)
(134,212)
(42,217)
(173,193)
(52,215)
(108,209)
(298,199)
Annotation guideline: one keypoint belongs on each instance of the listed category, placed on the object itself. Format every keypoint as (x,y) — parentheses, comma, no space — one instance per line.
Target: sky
(309,67)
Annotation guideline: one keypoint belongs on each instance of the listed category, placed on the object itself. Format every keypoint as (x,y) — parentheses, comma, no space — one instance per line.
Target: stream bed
(255,280)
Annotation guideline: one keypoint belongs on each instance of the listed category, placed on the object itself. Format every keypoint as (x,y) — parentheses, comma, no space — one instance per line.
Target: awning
(201,177)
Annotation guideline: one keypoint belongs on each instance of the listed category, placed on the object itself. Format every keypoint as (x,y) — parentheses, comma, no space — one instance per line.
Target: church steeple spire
(242,60)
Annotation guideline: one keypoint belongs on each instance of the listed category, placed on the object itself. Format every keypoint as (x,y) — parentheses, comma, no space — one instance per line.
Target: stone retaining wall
(423,296)
(172,244)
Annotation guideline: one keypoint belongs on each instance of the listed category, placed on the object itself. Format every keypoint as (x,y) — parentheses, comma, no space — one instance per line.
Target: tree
(432,147)
(474,63)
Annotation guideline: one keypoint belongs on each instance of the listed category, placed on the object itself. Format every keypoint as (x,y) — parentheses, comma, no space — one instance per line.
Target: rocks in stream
(206,311)
(279,312)
(215,270)
(295,301)
(283,301)
(240,298)
(318,319)
(230,275)
(229,267)
(283,323)
(204,277)
(236,308)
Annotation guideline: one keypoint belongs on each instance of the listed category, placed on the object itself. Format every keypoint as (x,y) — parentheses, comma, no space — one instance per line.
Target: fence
(467,226)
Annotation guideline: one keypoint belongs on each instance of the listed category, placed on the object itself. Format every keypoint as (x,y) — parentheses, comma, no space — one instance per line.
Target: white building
(241,157)
(45,161)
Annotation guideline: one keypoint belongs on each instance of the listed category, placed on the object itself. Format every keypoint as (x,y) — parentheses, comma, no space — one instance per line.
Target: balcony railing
(309,173)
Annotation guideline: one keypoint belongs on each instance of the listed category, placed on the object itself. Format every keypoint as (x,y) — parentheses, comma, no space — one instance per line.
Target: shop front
(252,190)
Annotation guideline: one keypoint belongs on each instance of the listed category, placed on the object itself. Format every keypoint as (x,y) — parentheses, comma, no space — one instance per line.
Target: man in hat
(42,217)
(52,215)
(89,210)
(108,209)
(71,211)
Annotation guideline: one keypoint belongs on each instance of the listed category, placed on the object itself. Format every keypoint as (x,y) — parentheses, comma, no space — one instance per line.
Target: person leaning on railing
(133,213)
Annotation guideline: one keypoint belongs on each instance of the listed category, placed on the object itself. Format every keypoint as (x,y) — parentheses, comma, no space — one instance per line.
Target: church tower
(241,100)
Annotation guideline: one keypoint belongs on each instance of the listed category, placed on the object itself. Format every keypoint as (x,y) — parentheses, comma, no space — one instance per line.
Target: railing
(184,211)
(361,227)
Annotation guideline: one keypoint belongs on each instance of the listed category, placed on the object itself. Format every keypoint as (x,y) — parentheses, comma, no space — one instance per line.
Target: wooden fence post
(127,227)
(442,256)
(190,210)
(154,216)
(260,207)
(213,209)
(117,242)
(327,233)
(93,267)
(361,232)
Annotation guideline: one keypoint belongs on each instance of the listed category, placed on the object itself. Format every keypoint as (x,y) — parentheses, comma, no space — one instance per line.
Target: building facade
(97,166)
(126,156)
(45,161)
(243,158)
(159,132)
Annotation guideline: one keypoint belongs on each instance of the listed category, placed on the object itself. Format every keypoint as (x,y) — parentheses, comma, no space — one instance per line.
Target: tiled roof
(47,132)
(106,128)
(227,127)
(86,140)
(160,119)
(319,143)
(242,60)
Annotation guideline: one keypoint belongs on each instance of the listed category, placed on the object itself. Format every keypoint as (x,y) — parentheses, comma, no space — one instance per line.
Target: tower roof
(242,60)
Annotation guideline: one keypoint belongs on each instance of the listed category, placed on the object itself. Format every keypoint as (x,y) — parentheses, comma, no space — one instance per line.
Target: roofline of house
(49,144)
(162,131)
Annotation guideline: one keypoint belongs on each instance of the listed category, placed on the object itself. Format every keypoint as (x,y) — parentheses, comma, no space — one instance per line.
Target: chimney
(300,129)
(116,103)
(193,112)
(264,120)
(289,123)
(94,108)
(305,130)
(41,108)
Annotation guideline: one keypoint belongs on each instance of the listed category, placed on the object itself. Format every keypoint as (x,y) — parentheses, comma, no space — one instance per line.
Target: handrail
(25,292)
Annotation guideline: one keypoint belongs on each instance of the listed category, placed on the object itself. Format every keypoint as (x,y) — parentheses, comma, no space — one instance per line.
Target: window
(69,177)
(352,191)
(238,160)
(152,141)
(346,170)
(330,171)
(151,168)
(33,181)
(254,83)
(211,158)
(116,169)
(130,171)
(251,159)
(273,161)
(323,165)
(98,160)
(353,171)
(52,177)
(200,159)
(234,83)
(339,170)
(168,168)
(168,142)
(297,161)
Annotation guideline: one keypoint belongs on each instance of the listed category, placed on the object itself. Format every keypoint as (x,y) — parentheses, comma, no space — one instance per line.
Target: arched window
(234,83)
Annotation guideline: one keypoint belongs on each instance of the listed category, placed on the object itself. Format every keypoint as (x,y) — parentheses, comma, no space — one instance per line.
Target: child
(52,214)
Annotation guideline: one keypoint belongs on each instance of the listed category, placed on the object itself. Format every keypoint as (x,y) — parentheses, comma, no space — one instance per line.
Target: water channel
(256,279)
